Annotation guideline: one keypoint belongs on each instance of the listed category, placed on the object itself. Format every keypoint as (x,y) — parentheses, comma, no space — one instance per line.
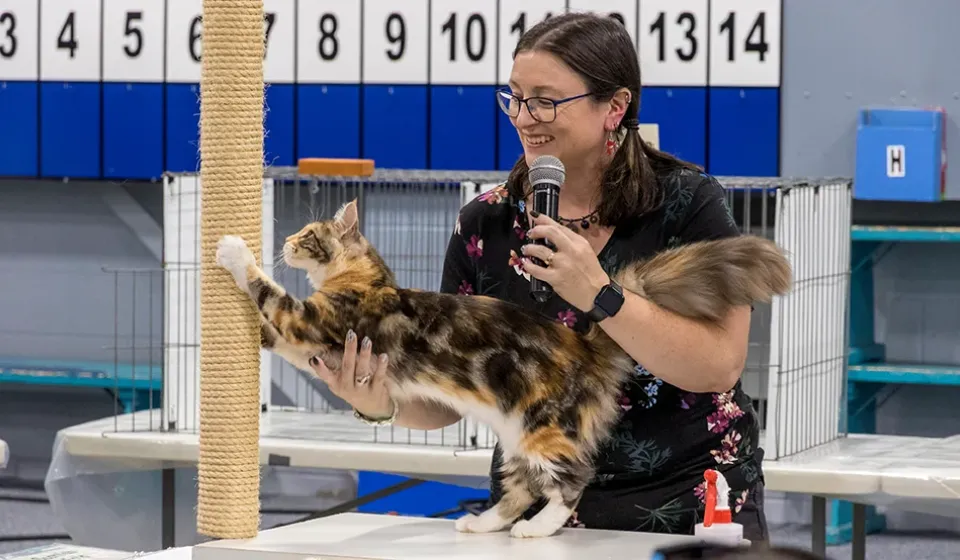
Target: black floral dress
(650,474)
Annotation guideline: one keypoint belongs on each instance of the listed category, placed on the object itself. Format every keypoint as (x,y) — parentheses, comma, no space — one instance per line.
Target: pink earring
(611,145)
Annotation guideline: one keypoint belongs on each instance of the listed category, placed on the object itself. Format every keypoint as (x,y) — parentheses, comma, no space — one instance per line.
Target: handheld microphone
(546,175)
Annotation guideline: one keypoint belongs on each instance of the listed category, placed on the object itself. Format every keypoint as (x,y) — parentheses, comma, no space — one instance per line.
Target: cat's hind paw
(234,256)
(533,528)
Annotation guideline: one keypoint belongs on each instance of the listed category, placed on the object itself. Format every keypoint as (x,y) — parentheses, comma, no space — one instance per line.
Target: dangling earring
(611,145)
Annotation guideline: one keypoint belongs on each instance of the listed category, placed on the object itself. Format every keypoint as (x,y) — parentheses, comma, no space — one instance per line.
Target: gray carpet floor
(36,518)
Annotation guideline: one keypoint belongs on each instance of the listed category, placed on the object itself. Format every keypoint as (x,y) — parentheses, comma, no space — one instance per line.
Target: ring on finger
(549,258)
(363,380)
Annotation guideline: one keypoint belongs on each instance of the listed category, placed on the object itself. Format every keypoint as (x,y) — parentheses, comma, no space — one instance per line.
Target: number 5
(130,30)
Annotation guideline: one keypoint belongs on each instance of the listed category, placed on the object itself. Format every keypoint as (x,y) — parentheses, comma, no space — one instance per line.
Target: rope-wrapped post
(231,178)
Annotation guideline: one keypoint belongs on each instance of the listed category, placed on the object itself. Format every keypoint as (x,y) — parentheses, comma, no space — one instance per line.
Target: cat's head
(326,247)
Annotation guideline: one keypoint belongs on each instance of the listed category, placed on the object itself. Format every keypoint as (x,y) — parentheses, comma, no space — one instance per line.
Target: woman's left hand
(572,269)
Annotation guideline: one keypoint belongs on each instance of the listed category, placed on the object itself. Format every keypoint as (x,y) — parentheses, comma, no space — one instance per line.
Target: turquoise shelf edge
(81,373)
(906,233)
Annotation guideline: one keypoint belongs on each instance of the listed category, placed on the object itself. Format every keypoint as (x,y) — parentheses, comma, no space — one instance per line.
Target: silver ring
(363,380)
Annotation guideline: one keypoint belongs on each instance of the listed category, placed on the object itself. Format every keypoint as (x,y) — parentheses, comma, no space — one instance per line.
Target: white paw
(234,255)
(471,523)
(462,524)
(530,529)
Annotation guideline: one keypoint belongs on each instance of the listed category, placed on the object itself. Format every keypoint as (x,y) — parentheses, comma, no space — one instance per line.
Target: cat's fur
(549,393)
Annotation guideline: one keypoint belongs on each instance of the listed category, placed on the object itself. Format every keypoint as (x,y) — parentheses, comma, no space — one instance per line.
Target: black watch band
(607,303)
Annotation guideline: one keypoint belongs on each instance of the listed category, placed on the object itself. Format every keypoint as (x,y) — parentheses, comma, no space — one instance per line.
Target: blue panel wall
(132,131)
(183,128)
(744,131)
(463,127)
(279,125)
(19,129)
(681,113)
(328,121)
(70,129)
(395,125)
(509,148)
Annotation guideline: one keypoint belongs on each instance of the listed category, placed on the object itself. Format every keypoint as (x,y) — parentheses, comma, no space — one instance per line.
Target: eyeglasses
(542,109)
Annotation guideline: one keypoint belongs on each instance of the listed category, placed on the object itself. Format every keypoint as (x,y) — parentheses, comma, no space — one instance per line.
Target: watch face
(610,299)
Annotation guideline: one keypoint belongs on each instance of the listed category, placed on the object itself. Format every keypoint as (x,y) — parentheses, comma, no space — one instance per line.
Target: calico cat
(549,393)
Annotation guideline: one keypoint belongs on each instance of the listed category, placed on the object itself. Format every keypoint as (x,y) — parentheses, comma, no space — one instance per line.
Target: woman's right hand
(361,380)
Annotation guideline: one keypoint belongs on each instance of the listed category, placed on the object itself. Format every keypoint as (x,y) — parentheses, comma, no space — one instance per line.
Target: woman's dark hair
(600,50)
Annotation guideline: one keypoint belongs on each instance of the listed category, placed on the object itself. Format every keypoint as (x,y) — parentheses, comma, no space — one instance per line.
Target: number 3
(9,48)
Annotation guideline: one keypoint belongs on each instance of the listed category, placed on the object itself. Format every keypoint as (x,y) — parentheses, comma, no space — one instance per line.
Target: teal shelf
(103,375)
(906,234)
(868,371)
(904,374)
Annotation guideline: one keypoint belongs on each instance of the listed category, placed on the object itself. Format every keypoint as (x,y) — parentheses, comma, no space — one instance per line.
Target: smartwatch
(607,303)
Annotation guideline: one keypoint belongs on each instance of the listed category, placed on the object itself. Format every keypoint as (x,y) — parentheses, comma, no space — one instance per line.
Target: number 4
(67,38)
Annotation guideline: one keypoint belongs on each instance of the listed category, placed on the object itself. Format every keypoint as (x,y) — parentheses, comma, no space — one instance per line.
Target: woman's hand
(361,380)
(572,269)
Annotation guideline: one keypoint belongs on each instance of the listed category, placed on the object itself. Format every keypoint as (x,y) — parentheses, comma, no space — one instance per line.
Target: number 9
(397,37)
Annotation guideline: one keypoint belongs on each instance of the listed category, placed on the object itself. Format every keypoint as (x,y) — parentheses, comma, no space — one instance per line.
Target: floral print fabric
(650,474)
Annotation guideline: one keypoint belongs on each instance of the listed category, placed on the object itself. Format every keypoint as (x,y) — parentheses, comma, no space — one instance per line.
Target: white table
(357,536)
(920,474)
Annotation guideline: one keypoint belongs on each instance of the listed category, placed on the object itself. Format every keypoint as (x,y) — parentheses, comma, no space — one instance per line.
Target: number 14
(756,38)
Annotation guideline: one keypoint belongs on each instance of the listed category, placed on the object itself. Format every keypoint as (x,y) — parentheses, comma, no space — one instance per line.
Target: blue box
(681,113)
(70,130)
(132,131)
(395,125)
(463,127)
(743,131)
(328,121)
(19,129)
(901,155)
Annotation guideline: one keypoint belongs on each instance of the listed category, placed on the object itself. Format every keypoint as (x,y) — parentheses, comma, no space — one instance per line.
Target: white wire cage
(796,370)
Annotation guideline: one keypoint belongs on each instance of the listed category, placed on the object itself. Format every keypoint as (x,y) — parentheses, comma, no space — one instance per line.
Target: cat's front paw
(484,523)
(234,256)
(533,528)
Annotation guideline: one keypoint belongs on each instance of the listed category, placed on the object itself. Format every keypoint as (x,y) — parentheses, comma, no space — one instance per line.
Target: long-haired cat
(548,392)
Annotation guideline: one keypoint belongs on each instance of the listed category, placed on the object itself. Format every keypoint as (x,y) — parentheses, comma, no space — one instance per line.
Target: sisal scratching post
(231,174)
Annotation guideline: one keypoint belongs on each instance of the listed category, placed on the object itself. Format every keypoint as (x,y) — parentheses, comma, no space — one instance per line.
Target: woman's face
(578,134)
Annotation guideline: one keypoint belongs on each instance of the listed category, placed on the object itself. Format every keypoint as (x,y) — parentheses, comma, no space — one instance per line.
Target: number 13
(686,19)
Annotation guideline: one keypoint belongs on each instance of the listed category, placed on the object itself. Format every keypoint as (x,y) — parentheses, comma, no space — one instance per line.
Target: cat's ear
(348,220)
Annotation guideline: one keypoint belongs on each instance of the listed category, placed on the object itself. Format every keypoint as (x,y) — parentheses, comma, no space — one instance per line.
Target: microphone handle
(546,198)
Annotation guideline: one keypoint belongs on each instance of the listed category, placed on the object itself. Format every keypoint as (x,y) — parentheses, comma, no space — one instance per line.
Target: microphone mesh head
(547,169)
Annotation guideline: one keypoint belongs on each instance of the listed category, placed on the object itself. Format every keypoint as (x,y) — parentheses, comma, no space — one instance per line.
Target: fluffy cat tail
(703,280)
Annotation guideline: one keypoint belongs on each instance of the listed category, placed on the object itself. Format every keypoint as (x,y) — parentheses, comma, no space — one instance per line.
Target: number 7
(268,19)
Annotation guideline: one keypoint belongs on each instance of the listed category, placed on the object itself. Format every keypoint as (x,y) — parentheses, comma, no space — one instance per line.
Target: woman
(574,93)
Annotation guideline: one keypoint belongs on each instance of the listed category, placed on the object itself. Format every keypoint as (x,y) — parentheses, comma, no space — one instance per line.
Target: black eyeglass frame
(525,101)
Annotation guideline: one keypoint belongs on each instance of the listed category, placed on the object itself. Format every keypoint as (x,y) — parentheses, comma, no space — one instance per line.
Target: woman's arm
(683,352)
(425,415)
(690,355)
